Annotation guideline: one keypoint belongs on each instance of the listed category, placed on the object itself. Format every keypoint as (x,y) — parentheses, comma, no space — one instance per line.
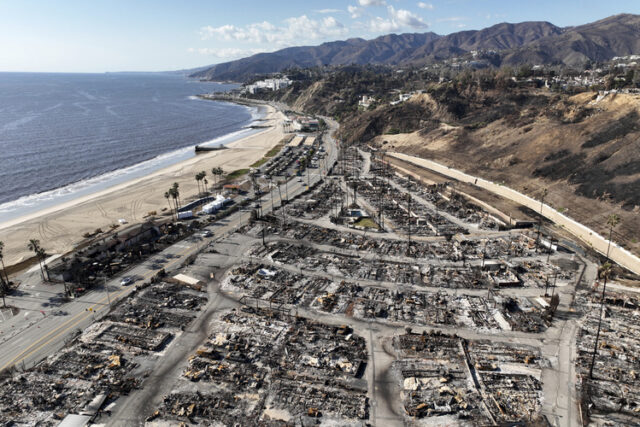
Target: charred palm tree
(34,246)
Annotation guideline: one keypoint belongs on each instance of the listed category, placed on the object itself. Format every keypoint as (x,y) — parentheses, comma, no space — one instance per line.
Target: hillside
(512,44)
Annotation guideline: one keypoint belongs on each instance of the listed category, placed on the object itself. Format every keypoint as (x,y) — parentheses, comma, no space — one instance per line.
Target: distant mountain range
(515,44)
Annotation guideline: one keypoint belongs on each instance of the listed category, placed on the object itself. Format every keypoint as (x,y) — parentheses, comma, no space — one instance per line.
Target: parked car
(126,281)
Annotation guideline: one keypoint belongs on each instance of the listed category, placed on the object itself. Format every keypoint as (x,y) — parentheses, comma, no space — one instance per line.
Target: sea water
(66,135)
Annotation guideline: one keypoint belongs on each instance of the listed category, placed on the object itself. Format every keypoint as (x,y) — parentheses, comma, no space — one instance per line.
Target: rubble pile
(615,387)
(405,214)
(350,162)
(274,285)
(40,399)
(278,286)
(356,267)
(454,380)
(453,203)
(265,366)
(352,267)
(316,204)
(107,360)
(168,305)
(463,249)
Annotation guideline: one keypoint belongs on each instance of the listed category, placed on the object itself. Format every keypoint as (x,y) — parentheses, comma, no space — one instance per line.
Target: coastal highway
(26,341)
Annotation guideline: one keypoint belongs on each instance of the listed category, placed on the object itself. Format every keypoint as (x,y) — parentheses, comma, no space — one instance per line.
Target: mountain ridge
(533,42)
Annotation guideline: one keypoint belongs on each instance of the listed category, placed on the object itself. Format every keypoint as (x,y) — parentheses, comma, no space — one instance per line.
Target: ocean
(66,135)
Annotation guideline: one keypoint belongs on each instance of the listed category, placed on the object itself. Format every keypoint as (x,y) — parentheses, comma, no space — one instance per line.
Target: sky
(163,35)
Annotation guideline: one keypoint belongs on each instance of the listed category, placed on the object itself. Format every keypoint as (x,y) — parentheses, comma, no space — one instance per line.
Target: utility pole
(546,286)
(544,194)
(281,205)
(271,191)
(286,190)
(107,291)
(606,267)
(612,221)
(484,253)
(409,214)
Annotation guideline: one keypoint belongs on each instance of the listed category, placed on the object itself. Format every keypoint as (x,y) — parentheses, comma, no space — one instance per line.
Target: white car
(126,281)
(206,233)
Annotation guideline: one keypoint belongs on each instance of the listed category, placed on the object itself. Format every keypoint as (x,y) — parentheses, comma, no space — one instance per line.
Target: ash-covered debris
(452,380)
(613,391)
(106,361)
(269,367)
(276,286)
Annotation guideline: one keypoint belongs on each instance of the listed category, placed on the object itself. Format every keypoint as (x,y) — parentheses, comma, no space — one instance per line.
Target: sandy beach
(60,227)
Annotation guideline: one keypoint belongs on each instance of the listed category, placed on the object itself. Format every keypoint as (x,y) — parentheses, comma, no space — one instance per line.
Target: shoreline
(60,227)
(38,202)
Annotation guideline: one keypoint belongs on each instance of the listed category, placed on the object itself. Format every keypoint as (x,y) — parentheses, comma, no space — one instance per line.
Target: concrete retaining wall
(618,254)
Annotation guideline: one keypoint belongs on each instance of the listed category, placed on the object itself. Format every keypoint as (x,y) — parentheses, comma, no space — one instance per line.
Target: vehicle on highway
(206,233)
(126,281)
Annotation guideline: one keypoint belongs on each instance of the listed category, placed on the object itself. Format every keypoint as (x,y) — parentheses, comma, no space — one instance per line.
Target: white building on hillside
(268,84)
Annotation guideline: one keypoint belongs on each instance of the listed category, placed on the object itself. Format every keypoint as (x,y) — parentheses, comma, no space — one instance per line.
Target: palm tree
(199,177)
(216,172)
(4,269)
(176,194)
(4,285)
(198,181)
(604,273)
(612,221)
(203,175)
(34,245)
(167,195)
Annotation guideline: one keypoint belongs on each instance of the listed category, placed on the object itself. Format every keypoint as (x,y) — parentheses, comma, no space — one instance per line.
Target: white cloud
(227,53)
(371,2)
(423,5)
(379,25)
(396,20)
(406,18)
(354,11)
(295,30)
(325,11)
